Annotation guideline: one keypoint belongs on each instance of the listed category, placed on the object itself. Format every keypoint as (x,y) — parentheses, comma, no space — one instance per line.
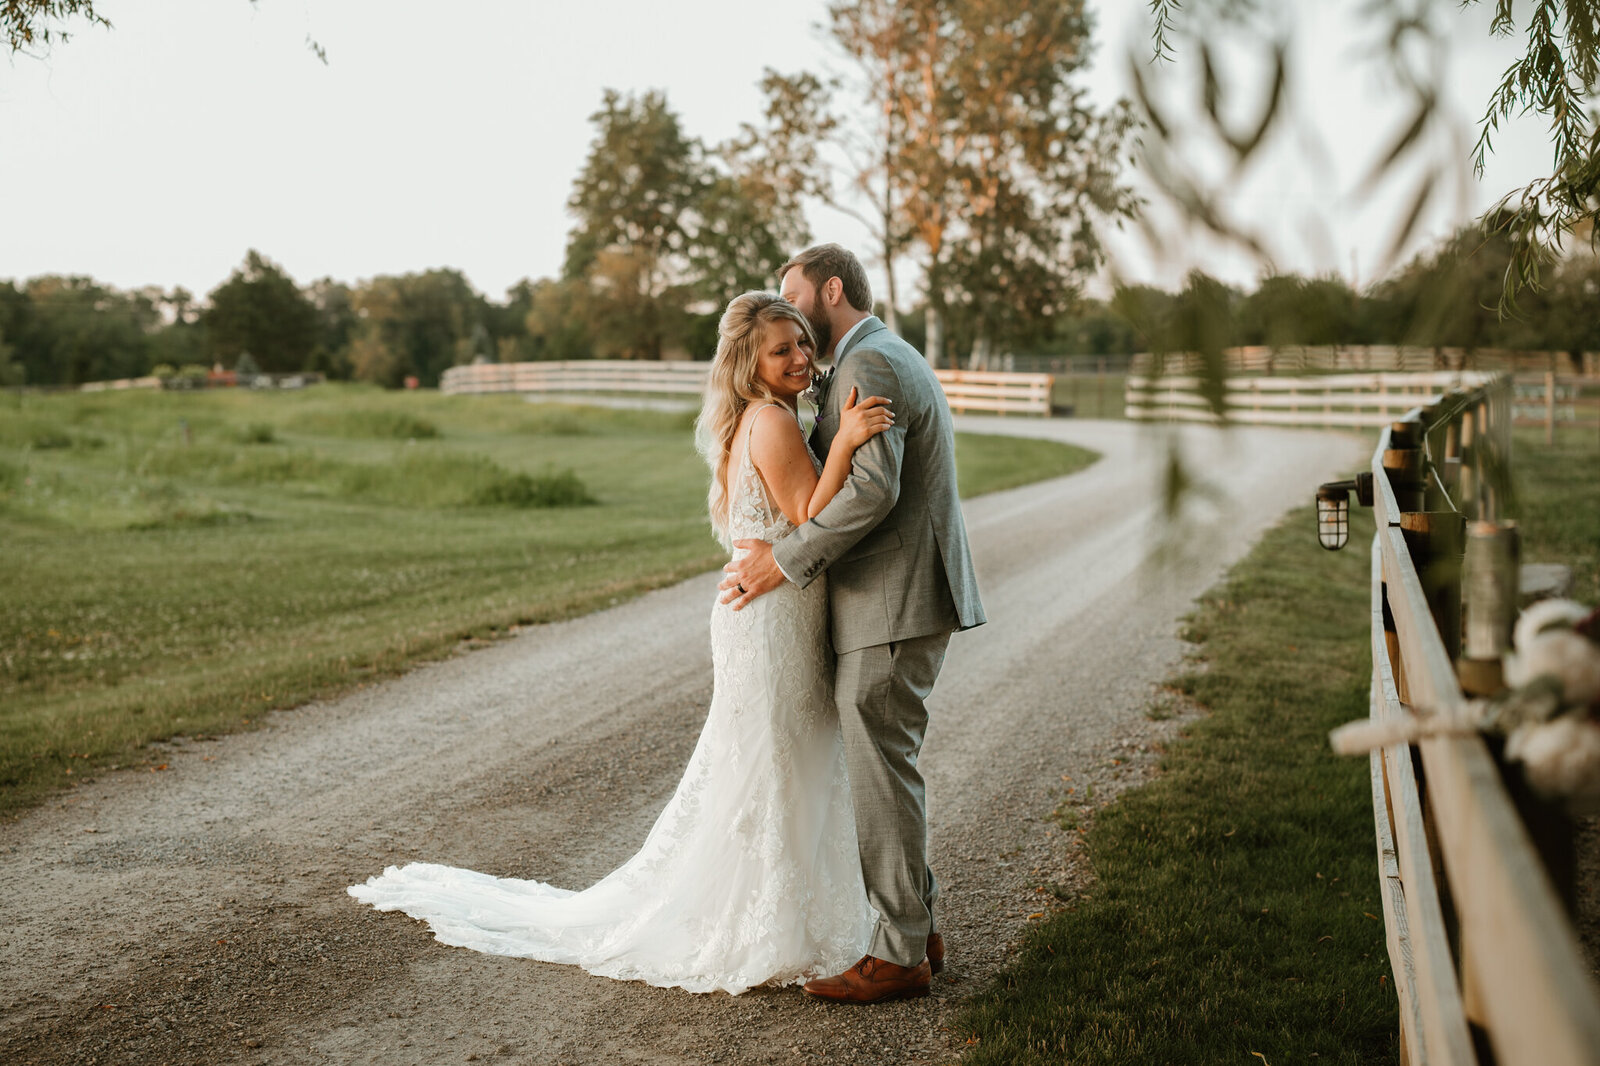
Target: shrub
(257,433)
(564,489)
(378,424)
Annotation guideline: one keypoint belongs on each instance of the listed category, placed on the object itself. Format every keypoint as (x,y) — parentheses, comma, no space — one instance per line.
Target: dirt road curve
(199,915)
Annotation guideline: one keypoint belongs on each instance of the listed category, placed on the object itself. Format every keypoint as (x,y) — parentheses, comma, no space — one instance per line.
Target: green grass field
(177,563)
(1235,915)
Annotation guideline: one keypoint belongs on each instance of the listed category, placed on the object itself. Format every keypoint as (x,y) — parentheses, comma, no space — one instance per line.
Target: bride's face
(784,362)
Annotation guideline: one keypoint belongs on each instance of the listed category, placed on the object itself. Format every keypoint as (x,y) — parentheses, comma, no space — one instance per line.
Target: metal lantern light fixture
(1333,509)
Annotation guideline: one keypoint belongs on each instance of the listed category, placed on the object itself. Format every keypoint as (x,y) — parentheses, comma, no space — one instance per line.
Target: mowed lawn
(177,563)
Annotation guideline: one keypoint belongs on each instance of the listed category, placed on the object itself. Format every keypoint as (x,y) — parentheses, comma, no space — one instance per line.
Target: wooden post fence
(1486,962)
(966,390)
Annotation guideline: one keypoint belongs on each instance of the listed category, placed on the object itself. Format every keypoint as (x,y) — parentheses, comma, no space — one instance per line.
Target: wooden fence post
(1402,462)
(1467,494)
(1489,604)
(1450,469)
(1549,408)
(1436,540)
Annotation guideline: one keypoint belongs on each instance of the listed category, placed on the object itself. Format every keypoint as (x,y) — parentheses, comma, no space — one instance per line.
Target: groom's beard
(824,331)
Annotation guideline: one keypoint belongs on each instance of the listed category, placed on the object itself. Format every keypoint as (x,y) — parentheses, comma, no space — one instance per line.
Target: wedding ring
(742,592)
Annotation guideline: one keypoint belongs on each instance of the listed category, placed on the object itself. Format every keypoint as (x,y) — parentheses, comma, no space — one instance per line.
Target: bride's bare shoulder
(775,432)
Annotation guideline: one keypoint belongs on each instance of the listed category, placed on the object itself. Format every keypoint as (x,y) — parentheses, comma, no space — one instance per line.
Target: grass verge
(1233,914)
(181,563)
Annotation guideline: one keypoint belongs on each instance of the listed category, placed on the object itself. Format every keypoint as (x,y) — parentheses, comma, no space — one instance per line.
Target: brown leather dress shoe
(935,953)
(873,980)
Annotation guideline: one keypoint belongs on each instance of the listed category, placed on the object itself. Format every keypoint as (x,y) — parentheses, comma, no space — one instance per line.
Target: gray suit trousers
(880,692)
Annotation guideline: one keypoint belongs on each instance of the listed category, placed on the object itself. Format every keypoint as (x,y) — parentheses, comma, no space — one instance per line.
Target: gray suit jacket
(892,541)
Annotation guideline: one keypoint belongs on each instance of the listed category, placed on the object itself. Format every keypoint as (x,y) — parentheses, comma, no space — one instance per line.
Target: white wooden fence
(966,390)
(1334,400)
(1300,359)
(1479,941)
(578,376)
(1004,393)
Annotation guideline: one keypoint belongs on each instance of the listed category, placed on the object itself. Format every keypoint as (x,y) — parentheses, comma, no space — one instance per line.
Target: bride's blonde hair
(732,386)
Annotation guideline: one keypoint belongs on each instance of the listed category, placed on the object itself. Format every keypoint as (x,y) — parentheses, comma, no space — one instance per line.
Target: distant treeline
(68,330)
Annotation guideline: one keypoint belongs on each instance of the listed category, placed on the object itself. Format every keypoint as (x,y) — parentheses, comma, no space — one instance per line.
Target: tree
(415,325)
(12,373)
(260,310)
(557,320)
(337,322)
(75,330)
(1288,309)
(665,223)
(31,22)
(788,145)
(634,199)
(180,340)
(986,159)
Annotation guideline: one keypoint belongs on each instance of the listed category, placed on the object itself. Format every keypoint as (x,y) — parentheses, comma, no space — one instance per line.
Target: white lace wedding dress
(750,876)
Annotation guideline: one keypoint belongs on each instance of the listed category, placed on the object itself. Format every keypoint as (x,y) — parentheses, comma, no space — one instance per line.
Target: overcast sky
(448,135)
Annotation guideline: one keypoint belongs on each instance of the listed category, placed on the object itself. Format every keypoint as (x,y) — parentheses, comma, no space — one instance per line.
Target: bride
(750,875)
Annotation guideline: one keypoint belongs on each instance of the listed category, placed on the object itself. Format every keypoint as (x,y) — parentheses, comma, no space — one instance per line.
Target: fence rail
(1485,960)
(1300,359)
(1335,400)
(966,390)
(1003,393)
(577,376)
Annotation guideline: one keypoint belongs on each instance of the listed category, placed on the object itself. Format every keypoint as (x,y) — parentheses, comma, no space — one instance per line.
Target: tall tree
(634,200)
(261,311)
(664,223)
(809,150)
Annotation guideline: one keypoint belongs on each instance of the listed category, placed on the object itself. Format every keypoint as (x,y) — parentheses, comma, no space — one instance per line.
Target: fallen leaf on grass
(1262,1057)
(1374,917)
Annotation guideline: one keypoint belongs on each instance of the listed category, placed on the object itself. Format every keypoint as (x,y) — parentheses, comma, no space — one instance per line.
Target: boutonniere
(818,392)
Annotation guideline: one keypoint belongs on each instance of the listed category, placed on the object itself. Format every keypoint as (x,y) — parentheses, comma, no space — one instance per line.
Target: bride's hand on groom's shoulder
(754,574)
(860,422)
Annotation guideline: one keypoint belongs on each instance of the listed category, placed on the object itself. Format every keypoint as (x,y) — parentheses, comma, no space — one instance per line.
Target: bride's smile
(784,364)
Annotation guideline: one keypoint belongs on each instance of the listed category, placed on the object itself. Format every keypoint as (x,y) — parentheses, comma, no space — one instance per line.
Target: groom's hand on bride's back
(754,574)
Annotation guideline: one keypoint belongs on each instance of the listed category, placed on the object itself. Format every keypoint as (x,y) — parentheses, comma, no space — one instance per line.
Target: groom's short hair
(823,261)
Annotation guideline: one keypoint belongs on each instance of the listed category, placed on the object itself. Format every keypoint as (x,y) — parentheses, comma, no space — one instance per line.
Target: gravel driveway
(199,914)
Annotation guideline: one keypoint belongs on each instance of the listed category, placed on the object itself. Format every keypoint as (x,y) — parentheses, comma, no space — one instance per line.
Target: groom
(900,581)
